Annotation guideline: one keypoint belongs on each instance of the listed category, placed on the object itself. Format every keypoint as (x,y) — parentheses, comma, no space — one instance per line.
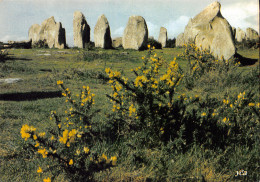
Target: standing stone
(60,38)
(34,33)
(81,30)
(135,33)
(117,42)
(102,36)
(163,36)
(240,35)
(251,34)
(180,40)
(210,30)
(52,33)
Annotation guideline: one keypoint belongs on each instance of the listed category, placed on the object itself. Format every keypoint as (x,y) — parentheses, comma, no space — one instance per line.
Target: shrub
(247,44)
(154,43)
(171,43)
(151,124)
(70,147)
(3,55)
(40,44)
(202,62)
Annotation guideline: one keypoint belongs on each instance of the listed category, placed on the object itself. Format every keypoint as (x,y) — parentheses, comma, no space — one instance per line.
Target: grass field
(31,100)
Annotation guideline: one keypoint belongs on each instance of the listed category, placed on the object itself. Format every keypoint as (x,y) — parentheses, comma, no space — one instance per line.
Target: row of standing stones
(208,30)
(135,34)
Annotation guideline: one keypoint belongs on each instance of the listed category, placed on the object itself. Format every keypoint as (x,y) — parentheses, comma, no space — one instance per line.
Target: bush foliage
(151,124)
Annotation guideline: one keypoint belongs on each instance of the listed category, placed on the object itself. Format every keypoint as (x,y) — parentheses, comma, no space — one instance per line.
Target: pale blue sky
(16,16)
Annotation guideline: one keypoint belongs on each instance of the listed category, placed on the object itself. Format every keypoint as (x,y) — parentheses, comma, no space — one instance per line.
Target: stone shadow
(245,61)
(30,96)
(10,57)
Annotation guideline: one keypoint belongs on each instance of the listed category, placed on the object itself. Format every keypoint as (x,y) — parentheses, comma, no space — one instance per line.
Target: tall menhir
(81,30)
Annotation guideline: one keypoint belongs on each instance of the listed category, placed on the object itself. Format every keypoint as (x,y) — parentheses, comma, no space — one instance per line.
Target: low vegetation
(156,115)
(3,55)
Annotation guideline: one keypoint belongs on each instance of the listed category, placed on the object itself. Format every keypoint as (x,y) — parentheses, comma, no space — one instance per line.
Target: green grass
(77,68)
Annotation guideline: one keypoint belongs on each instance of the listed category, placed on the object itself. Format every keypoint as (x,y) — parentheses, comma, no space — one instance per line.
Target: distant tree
(171,43)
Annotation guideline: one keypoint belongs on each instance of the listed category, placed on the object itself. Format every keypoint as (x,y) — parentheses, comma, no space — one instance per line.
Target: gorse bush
(154,43)
(202,62)
(151,121)
(145,108)
(69,146)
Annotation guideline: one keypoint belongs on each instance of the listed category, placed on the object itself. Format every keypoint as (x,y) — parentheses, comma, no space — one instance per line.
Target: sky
(16,16)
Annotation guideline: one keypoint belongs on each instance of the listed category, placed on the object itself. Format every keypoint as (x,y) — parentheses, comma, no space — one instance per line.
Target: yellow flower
(162,130)
(39,170)
(86,150)
(37,144)
(71,162)
(258,104)
(78,152)
(107,70)
(59,82)
(35,137)
(132,110)
(43,152)
(225,120)
(52,138)
(42,134)
(251,104)
(231,105)
(26,130)
(113,159)
(104,156)
(47,180)
(203,114)
(149,46)
(64,138)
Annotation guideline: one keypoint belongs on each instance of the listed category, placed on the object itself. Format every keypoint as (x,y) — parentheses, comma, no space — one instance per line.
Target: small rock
(10,80)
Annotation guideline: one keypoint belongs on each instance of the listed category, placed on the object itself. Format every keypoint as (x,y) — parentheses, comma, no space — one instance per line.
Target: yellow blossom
(71,162)
(47,180)
(86,150)
(59,82)
(37,144)
(225,120)
(35,137)
(26,131)
(203,114)
(52,138)
(39,170)
(78,152)
(104,156)
(113,159)
(43,152)
(64,138)
(42,134)
(251,104)
(162,130)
